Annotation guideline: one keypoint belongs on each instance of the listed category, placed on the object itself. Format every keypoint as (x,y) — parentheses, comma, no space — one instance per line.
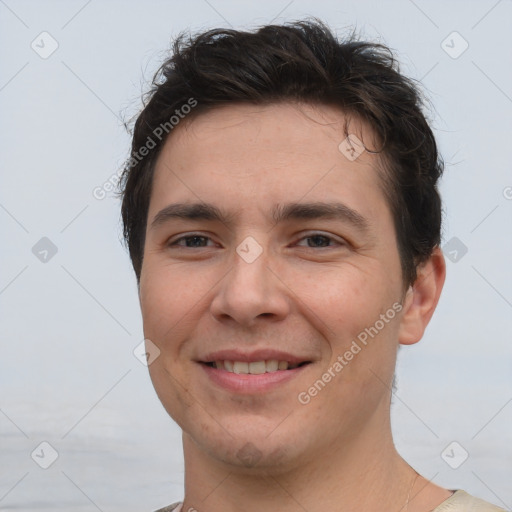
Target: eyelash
(174,243)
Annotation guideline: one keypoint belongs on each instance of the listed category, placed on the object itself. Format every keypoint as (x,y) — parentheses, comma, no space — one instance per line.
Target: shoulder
(461,501)
(175,507)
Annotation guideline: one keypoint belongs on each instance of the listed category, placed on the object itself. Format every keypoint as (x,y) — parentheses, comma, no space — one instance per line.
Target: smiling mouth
(256,367)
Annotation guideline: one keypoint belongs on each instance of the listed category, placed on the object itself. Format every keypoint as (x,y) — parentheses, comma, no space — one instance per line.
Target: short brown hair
(299,62)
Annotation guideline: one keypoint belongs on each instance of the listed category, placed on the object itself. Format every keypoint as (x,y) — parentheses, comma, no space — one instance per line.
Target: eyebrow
(280,213)
(189,211)
(320,210)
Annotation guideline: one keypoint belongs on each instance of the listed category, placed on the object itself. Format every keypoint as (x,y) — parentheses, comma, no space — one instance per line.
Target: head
(303,172)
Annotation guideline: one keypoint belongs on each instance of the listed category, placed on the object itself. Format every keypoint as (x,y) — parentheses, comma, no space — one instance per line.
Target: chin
(248,448)
(253,457)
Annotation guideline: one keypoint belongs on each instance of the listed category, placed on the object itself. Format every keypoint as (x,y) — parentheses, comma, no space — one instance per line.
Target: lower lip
(247,383)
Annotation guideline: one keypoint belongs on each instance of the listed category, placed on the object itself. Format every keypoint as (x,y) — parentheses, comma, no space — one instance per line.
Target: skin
(306,296)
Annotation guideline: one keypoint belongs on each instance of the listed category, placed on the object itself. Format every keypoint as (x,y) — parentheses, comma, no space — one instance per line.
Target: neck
(362,472)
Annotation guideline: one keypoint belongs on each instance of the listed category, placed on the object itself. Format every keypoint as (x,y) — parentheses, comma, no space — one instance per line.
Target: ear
(421,298)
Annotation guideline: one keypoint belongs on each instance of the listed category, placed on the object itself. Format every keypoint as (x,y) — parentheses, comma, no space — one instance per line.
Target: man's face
(242,289)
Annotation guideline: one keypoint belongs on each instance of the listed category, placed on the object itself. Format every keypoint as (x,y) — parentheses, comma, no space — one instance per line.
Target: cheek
(342,297)
(167,296)
(347,304)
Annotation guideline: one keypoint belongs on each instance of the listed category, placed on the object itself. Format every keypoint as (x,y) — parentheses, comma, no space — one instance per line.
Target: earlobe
(422,297)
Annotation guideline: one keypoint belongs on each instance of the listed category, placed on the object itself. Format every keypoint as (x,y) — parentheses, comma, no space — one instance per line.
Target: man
(282,216)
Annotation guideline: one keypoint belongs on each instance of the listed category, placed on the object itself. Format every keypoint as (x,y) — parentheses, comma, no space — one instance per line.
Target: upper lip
(253,356)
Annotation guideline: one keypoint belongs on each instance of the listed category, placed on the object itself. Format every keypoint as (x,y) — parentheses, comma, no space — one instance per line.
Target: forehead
(282,128)
(257,155)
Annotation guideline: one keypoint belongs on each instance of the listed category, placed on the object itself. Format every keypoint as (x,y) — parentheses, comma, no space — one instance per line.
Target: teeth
(272,365)
(254,368)
(240,367)
(257,368)
(283,365)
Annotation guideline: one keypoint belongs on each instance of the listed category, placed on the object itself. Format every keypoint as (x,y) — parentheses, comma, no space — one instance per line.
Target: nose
(251,292)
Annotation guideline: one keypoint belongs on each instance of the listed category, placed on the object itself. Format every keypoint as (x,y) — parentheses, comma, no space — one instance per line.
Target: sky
(71,73)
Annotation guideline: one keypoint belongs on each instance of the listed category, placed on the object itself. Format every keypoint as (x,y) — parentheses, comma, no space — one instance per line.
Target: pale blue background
(67,372)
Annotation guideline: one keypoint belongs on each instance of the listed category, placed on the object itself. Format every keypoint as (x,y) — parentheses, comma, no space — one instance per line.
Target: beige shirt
(459,501)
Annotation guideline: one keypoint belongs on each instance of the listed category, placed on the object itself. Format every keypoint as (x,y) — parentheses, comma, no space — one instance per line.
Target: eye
(318,240)
(191,241)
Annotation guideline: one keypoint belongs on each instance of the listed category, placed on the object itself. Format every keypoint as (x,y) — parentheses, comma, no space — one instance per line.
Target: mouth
(255,367)
(258,372)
